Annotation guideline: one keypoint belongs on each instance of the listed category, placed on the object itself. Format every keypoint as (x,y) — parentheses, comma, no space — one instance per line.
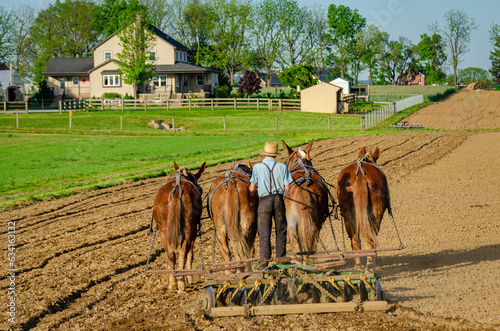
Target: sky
(408,18)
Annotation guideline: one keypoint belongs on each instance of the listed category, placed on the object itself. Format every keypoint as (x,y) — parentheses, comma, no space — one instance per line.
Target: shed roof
(324,84)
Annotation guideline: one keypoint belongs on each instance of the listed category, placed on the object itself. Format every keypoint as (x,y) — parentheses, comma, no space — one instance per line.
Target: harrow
(293,288)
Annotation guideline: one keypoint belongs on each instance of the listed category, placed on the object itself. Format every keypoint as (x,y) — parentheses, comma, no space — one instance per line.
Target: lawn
(47,160)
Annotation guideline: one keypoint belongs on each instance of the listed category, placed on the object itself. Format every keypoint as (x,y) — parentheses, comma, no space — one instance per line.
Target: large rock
(159,124)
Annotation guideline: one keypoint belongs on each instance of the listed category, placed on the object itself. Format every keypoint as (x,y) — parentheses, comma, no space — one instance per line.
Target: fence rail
(373,118)
(235,103)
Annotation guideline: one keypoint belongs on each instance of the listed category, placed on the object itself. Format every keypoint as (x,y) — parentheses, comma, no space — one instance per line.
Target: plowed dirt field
(80,259)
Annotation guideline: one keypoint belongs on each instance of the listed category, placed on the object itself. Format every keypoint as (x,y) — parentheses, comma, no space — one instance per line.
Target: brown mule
(177,211)
(306,202)
(363,196)
(233,209)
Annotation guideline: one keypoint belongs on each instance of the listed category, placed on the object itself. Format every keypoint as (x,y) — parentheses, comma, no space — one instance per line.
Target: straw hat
(270,149)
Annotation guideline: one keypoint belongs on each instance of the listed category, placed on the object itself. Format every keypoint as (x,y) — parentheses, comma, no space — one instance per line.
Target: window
(420,80)
(111,80)
(177,81)
(155,80)
(185,57)
(152,56)
(163,80)
(176,56)
(185,81)
(75,81)
(199,80)
(108,55)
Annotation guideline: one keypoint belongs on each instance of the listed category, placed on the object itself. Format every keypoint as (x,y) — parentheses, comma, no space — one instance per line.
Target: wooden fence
(235,103)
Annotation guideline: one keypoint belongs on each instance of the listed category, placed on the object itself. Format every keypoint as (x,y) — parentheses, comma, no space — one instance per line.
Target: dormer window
(108,55)
(180,56)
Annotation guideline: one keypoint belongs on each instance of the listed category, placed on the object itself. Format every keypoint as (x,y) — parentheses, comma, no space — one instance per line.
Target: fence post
(145,104)
(123,104)
(394,105)
(276,123)
(258,104)
(70,118)
(135,103)
(5,107)
(42,105)
(224,124)
(212,103)
(102,104)
(189,103)
(26,106)
(280,104)
(328,122)
(17,119)
(386,96)
(234,103)
(121,123)
(173,124)
(269,104)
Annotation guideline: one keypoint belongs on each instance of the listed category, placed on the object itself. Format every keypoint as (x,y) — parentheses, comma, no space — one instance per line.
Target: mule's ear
(202,169)
(249,165)
(376,154)
(172,172)
(185,172)
(235,164)
(362,152)
(307,149)
(176,166)
(287,149)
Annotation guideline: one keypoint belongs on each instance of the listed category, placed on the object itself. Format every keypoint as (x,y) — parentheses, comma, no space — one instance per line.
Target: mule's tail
(364,223)
(232,218)
(175,222)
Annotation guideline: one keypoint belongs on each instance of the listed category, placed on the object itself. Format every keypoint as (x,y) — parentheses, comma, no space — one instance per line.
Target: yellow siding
(320,98)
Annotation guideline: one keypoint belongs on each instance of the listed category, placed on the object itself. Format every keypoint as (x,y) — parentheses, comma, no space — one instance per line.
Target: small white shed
(344,83)
(322,98)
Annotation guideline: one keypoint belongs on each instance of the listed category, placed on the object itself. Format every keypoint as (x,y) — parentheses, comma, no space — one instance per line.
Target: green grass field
(46,160)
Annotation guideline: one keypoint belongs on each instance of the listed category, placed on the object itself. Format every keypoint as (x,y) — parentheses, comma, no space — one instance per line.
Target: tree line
(238,35)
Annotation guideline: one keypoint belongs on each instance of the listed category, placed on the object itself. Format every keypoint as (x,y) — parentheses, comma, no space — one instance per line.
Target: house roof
(182,67)
(69,66)
(274,78)
(157,32)
(341,79)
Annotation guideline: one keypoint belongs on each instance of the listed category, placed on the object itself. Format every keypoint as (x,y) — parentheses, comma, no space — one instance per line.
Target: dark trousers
(269,206)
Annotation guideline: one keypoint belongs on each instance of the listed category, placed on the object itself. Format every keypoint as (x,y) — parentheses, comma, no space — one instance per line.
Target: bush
(111,95)
(497,88)
(127,97)
(43,92)
(482,84)
(222,91)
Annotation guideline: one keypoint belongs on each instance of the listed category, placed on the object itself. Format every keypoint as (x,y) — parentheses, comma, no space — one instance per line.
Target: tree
(471,74)
(432,57)
(495,53)
(134,65)
(370,41)
(7,34)
(457,33)
(294,23)
(229,45)
(298,75)
(57,36)
(199,18)
(316,40)
(24,51)
(249,83)
(268,33)
(112,16)
(344,24)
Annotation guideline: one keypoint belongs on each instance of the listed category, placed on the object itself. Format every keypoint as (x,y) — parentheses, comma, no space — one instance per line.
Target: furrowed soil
(80,260)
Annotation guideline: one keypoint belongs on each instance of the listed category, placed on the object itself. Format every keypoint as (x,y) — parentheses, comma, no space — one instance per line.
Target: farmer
(272,179)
